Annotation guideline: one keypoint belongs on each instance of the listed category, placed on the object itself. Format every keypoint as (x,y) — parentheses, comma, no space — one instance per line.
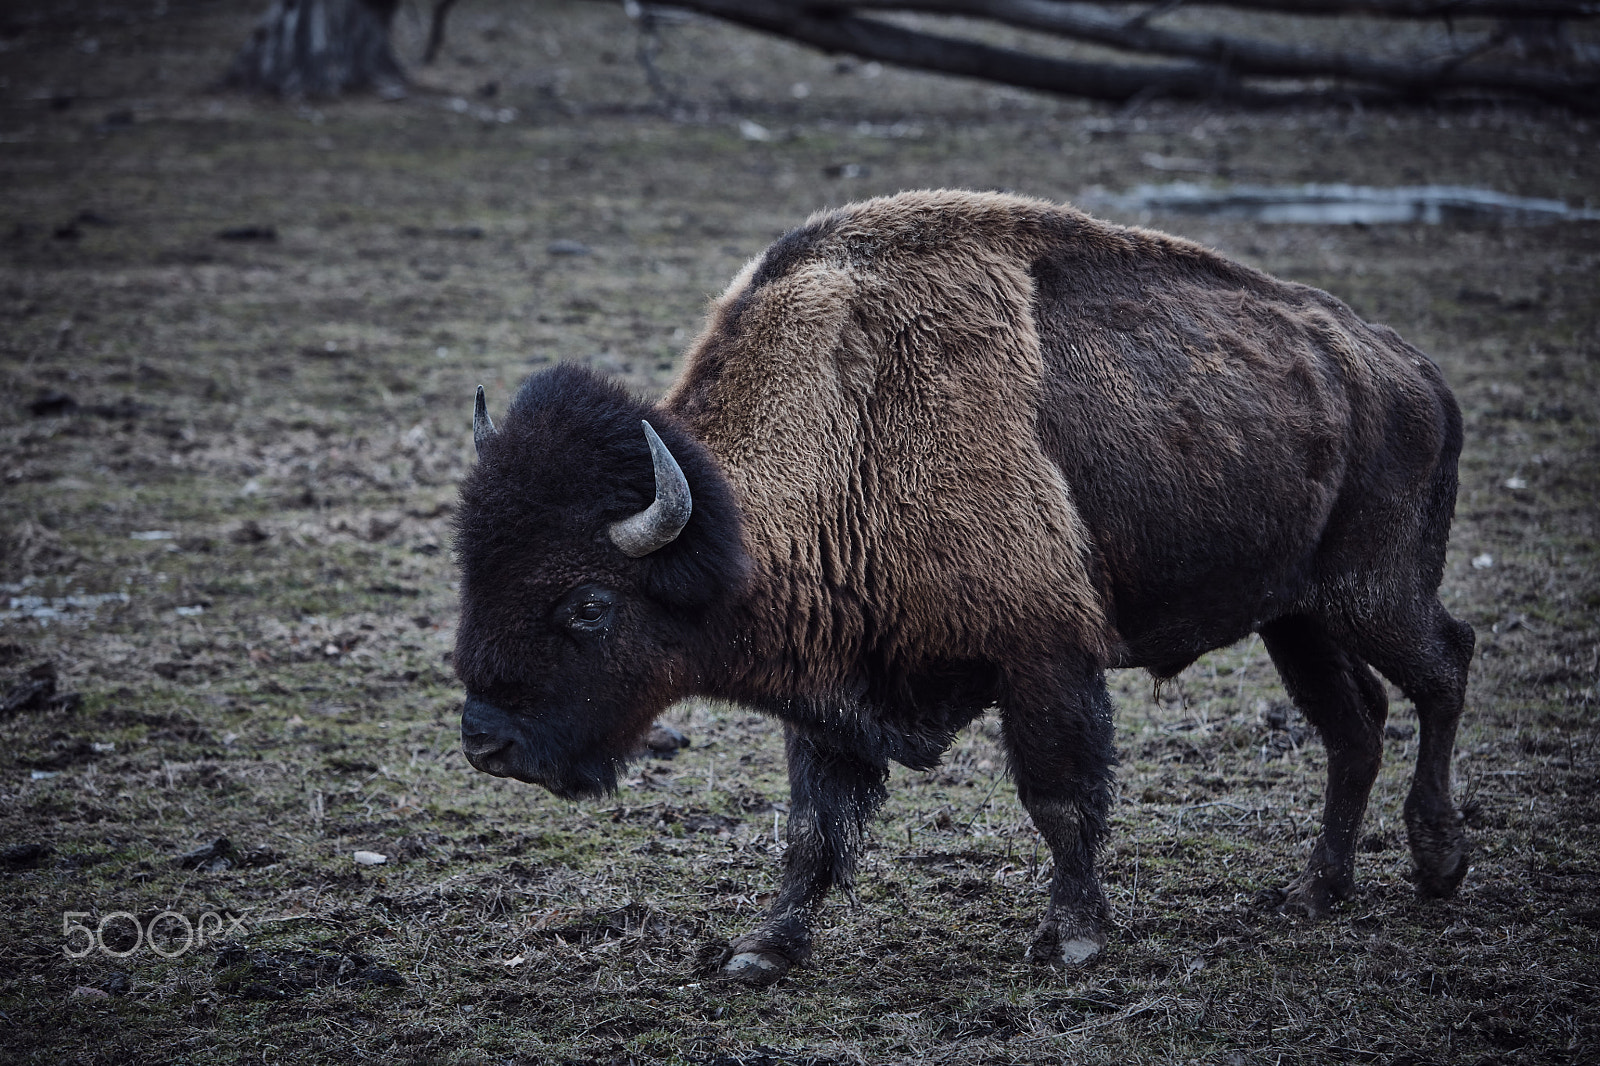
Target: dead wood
(1411,9)
(1241,56)
(1219,64)
(441,11)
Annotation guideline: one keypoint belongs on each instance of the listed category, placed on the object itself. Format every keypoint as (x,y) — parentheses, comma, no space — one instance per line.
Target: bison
(943,452)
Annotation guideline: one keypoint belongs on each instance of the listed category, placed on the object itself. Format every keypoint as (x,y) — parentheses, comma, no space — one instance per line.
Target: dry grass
(284,410)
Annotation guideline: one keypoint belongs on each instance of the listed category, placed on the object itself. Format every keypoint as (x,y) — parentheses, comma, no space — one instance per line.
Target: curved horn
(659,524)
(482,424)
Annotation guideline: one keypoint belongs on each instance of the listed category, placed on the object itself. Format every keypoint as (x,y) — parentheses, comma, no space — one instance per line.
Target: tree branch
(889,43)
(441,11)
(1246,57)
(1419,9)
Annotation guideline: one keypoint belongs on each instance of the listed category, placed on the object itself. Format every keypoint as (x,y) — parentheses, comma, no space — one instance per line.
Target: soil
(240,345)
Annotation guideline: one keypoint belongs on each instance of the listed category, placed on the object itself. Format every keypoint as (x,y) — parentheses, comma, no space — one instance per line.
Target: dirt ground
(239,346)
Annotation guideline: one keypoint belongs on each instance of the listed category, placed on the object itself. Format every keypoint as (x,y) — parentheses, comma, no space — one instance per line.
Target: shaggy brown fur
(953,450)
(876,406)
(905,448)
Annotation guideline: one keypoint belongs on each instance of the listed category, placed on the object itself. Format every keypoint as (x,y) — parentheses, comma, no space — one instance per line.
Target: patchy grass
(293,414)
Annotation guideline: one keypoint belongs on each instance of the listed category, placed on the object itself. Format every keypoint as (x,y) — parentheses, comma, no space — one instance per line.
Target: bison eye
(589,608)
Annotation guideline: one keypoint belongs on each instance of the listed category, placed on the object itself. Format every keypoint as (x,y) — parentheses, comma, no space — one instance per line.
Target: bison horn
(659,524)
(482,424)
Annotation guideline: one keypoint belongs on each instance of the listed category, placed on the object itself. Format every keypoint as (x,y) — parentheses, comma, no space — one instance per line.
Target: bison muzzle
(945,452)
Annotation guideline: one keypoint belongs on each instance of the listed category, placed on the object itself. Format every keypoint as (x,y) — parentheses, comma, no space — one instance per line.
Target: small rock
(22,856)
(380,526)
(30,695)
(370,858)
(90,992)
(1516,483)
(249,532)
(663,740)
(248,233)
(1482,562)
(846,170)
(206,855)
(566,247)
(37,692)
(124,408)
(52,403)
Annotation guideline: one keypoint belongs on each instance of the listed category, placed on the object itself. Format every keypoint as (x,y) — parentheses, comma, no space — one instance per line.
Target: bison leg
(1340,696)
(1059,739)
(1428,660)
(832,796)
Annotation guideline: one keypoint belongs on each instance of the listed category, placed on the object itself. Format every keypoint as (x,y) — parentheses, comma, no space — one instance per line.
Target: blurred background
(248,288)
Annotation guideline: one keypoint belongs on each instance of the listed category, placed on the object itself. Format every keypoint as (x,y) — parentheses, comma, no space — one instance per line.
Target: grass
(308,711)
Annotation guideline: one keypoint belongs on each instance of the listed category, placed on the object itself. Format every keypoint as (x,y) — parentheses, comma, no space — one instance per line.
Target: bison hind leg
(1339,695)
(1427,656)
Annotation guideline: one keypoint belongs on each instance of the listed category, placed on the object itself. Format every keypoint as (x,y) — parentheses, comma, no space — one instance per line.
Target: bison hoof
(1313,896)
(1439,875)
(1440,852)
(1066,945)
(758,968)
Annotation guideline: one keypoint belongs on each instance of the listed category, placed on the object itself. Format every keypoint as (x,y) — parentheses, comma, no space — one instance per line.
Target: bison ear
(659,524)
(482,424)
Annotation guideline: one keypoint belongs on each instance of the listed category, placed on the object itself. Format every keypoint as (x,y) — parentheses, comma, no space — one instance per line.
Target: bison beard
(945,452)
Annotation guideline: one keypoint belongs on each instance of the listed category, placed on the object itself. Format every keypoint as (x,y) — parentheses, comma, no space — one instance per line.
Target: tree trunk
(307,48)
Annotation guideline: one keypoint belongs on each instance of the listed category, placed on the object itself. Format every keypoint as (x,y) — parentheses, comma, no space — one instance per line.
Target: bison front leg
(833,794)
(1059,737)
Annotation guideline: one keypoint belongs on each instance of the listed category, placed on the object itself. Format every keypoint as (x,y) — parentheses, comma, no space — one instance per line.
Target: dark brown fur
(983,447)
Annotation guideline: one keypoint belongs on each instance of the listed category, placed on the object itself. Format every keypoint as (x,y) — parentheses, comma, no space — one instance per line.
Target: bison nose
(482,730)
(477,745)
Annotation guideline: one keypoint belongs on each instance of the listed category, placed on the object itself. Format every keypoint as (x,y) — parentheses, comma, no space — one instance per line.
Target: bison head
(595,536)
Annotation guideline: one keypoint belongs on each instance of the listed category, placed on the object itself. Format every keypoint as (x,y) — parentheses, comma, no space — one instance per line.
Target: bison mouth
(501,746)
(487,752)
